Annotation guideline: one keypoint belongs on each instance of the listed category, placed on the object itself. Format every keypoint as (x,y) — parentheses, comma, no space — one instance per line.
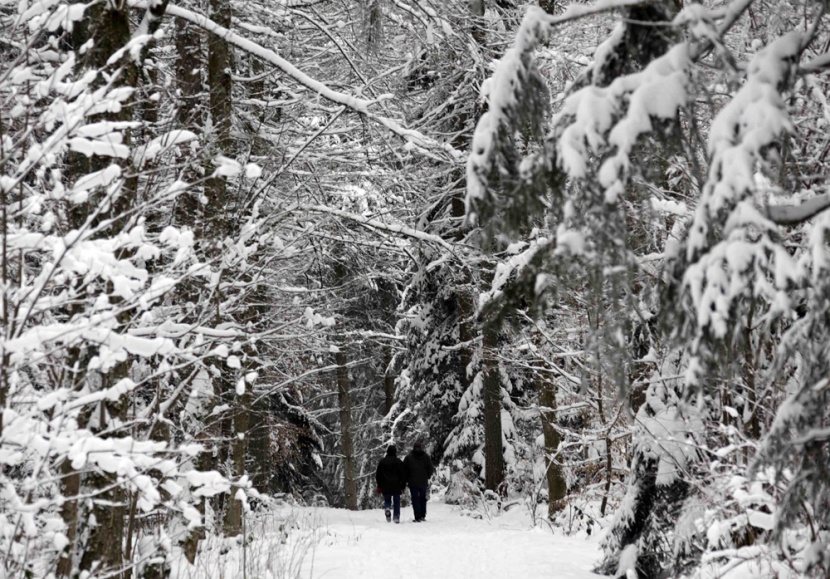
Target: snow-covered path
(447,546)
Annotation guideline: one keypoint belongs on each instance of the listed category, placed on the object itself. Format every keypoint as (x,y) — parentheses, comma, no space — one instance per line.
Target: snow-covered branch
(381,226)
(796,214)
(818,64)
(415,139)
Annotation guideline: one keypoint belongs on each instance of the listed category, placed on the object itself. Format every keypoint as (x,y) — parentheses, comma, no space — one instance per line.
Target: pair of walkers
(393,475)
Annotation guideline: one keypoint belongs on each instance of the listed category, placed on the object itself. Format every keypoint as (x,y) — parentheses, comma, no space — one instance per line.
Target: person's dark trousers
(419,502)
(395,502)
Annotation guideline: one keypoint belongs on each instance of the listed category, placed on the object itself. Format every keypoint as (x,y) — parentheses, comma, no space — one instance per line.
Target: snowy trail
(447,546)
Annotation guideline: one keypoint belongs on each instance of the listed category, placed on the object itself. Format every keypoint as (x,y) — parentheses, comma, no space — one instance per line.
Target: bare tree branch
(375,224)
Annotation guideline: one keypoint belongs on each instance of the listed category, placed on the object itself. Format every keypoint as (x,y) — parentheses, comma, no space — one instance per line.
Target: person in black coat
(418,471)
(391,479)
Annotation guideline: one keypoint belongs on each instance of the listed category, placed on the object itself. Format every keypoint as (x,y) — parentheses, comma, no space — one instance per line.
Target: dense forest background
(581,252)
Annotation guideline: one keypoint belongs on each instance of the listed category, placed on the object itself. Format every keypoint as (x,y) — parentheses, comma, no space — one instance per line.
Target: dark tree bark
(478,31)
(205,463)
(103,550)
(220,86)
(642,42)
(70,488)
(344,387)
(239,447)
(258,447)
(557,486)
(186,213)
(188,74)
(189,112)
(374,24)
(493,451)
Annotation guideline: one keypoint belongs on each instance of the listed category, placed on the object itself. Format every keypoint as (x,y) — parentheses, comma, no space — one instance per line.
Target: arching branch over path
(415,139)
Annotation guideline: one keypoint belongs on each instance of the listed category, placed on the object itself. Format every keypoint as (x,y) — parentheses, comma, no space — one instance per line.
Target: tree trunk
(189,114)
(105,509)
(557,487)
(750,420)
(220,87)
(104,549)
(258,447)
(464,297)
(188,74)
(217,221)
(205,463)
(642,41)
(347,448)
(388,385)
(493,451)
(70,488)
(478,31)
(258,90)
(465,305)
(374,24)
(73,377)
(186,213)
(239,447)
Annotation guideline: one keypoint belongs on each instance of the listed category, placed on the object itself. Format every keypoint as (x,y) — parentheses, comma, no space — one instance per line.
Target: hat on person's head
(418,445)
(391,450)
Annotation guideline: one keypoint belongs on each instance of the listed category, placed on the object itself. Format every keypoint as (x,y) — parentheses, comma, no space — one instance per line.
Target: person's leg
(422,503)
(418,502)
(396,510)
(387,503)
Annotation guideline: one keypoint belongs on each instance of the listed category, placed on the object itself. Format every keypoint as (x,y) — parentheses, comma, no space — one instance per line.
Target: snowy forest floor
(325,543)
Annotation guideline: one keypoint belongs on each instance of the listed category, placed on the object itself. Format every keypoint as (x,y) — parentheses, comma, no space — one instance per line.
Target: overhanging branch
(416,139)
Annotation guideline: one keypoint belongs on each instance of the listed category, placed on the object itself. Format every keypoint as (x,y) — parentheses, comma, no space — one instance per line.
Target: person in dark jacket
(391,479)
(418,470)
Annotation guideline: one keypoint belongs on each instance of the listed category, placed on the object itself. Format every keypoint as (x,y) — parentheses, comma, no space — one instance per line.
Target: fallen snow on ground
(324,543)
(447,545)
